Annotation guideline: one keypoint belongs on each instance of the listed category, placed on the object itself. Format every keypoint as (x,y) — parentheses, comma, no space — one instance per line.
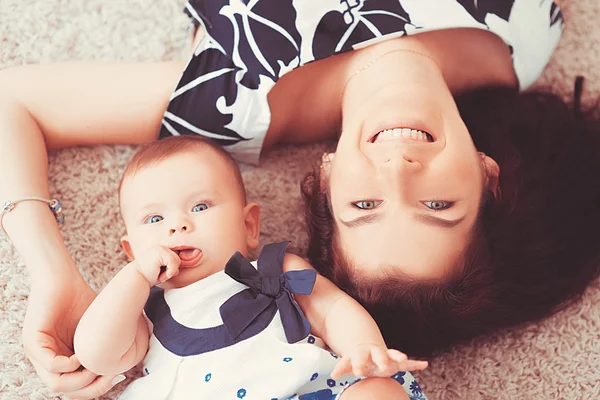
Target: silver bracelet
(54,204)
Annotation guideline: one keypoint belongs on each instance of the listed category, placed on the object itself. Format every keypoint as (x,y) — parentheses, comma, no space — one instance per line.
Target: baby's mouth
(189,256)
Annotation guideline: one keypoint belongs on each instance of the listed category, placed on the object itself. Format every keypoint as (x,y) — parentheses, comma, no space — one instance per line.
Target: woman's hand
(54,309)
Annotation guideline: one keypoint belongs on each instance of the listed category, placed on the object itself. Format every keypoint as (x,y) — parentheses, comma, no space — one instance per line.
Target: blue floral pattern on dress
(399,376)
(415,388)
(325,394)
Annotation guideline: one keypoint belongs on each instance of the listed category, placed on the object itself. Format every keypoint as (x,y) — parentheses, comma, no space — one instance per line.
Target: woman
(244,91)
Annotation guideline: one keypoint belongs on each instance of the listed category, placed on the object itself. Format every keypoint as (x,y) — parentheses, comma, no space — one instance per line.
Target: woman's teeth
(404,133)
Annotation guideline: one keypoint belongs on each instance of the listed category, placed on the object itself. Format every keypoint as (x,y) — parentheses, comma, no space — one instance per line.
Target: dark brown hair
(159,150)
(534,249)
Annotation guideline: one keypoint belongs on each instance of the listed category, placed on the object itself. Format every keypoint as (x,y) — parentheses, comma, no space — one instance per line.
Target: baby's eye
(200,207)
(153,219)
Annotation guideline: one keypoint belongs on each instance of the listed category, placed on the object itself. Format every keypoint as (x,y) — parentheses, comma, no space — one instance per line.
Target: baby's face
(191,203)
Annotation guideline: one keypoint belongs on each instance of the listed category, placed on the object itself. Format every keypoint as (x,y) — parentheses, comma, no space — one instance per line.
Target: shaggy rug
(556,359)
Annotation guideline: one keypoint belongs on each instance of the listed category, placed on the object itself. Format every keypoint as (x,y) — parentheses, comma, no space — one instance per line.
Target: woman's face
(406,181)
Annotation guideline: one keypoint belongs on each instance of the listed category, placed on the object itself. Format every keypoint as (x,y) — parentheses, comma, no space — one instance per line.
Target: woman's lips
(189,256)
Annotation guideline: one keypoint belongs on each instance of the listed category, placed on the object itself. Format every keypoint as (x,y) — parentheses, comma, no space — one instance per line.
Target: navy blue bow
(269,290)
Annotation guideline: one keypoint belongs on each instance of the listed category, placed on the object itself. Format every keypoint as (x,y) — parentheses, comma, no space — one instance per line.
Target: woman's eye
(153,219)
(366,204)
(200,207)
(438,205)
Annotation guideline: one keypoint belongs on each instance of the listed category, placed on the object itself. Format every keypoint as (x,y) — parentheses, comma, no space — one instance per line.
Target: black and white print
(250,44)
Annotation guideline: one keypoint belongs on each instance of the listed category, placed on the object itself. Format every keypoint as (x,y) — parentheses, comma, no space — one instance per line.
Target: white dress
(262,367)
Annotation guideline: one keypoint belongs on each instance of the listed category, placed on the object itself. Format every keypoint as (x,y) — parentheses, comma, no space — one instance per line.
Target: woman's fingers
(61,382)
(97,388)
(44,351)
(58,364)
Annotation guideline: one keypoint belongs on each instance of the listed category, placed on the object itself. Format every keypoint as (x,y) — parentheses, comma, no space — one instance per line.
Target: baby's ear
(127,247)
(252,221)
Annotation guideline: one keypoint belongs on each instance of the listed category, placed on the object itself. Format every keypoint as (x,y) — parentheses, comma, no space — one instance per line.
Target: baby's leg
(375,389)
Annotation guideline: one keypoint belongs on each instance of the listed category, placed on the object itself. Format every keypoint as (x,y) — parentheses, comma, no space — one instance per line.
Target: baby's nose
(181,229)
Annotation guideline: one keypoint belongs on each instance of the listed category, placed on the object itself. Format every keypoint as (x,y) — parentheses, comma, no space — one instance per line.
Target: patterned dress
(250,44)
(241,338)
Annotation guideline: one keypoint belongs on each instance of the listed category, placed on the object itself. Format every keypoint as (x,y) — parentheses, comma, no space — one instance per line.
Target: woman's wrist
(33,230)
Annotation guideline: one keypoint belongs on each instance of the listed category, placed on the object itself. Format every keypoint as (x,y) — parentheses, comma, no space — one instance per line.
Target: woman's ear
(127,247)
(252,221)
(492,173)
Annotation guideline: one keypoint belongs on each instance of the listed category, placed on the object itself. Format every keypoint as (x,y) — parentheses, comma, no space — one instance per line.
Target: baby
(207,323)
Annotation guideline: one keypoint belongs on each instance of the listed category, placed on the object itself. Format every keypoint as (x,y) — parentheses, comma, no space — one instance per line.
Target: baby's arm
(347,328)
(112,336)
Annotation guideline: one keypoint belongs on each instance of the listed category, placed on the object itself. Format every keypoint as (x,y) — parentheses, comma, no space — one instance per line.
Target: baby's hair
(160,150)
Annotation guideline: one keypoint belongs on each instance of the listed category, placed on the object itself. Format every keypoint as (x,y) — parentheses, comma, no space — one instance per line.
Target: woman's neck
(467,58)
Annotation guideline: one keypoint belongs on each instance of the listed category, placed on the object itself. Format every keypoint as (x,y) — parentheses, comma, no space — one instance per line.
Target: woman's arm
(53,106)
(61,105)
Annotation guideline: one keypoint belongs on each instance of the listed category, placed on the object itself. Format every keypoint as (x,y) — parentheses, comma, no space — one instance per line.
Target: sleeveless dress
(250,44)
(219,338)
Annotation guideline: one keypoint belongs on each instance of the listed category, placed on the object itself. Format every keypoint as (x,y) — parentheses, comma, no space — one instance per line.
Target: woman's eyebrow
(362,220)
(437,221)
(423,218)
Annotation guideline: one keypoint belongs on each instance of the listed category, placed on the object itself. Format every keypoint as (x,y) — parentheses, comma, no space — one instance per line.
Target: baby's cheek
(142,241)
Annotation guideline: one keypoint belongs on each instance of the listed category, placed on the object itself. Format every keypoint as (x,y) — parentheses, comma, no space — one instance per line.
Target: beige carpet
(557,359)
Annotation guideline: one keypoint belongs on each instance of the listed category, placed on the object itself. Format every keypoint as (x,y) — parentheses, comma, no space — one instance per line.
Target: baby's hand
(370,359)
(158,264)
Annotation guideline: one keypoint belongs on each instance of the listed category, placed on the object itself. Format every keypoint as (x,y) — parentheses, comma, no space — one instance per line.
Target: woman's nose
(403,164)
(401,172)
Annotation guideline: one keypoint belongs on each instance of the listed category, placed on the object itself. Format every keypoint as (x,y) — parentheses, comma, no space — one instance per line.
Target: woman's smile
(407,135)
